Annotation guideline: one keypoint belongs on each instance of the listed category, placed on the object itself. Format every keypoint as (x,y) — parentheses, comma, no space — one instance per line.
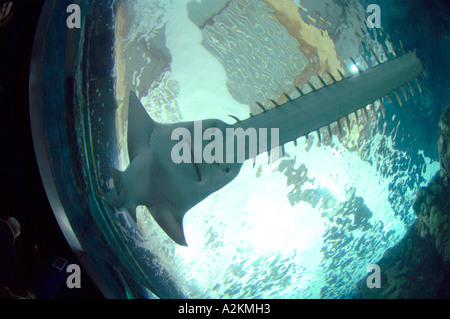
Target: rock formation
(419,265)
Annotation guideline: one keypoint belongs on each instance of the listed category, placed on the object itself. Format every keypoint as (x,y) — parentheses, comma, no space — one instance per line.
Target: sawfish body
(170,190)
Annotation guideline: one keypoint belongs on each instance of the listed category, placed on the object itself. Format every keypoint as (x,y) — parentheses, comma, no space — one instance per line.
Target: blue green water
(305,226)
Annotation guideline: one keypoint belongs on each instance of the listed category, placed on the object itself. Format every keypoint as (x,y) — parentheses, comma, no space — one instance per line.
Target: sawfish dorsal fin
(140,127)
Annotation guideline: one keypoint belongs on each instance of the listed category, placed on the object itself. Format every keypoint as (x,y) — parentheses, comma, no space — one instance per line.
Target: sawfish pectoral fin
(167,220)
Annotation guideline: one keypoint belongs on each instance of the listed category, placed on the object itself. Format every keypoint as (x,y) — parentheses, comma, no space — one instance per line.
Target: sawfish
(170,189)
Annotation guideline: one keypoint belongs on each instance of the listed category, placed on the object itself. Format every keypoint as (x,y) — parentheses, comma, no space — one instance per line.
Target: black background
(22,194)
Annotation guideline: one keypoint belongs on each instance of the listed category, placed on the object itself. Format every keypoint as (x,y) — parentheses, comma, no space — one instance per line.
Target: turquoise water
(305,226)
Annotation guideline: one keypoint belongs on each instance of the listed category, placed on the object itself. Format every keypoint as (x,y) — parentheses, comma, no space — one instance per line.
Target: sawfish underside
(170,190)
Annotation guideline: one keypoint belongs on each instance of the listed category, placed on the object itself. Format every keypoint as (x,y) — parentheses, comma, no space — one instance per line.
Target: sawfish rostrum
(170,190)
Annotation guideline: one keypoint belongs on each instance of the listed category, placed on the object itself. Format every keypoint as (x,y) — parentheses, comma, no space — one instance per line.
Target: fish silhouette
(170,189)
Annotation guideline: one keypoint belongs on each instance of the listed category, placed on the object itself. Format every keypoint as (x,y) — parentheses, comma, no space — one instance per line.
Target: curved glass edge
(36,100)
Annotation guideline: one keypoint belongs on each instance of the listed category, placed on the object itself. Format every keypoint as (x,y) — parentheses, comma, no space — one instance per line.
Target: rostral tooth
(404,94)
(340,127)
(411,88)
(340,74)
(398,98)
(353,61)
(235,118)
(357,117)
(321,80)
(329,132)
(365,60)
(383,110)
(274,103)
(261,107)
(375,55)
(365,113)
(312,86)
(299,90)
(347,119)
(332,77)
(418,84)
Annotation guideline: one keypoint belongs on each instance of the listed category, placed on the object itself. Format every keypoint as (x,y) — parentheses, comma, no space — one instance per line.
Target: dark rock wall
(418,267)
